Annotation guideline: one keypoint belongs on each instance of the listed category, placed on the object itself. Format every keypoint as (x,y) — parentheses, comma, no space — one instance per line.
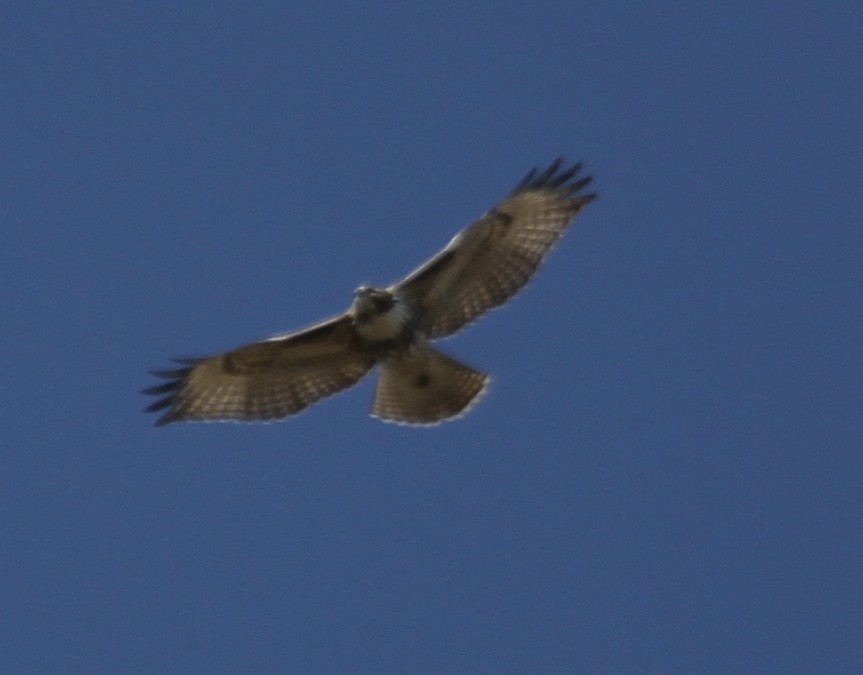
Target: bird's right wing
(264,380)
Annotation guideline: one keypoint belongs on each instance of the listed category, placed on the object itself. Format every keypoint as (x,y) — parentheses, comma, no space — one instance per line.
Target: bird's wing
(489,261)
(265,380)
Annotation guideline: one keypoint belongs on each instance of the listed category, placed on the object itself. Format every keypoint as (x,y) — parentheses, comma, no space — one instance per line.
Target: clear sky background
(666,474)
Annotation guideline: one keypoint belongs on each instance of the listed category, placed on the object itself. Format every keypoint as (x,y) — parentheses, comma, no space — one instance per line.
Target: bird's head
(371,302)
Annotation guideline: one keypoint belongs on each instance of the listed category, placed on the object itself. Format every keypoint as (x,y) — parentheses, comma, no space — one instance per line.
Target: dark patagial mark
(422,380)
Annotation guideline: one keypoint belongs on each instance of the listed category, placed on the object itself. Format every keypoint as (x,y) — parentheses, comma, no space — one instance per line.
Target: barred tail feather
(424,386)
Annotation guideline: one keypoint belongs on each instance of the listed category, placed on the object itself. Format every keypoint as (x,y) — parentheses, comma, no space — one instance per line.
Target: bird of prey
(482,267)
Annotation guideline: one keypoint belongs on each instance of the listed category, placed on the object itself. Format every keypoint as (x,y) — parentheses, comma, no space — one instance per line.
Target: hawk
(481,268)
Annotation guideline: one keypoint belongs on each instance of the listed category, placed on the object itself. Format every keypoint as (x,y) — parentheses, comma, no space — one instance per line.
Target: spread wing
(492,259)
(265,380)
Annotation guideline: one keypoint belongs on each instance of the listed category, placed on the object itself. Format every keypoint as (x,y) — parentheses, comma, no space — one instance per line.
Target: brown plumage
(481,268)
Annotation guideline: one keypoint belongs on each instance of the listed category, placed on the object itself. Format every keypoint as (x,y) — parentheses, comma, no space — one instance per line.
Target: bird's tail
(425,386)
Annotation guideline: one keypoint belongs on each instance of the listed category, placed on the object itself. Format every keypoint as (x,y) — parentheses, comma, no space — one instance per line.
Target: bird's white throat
(387,325)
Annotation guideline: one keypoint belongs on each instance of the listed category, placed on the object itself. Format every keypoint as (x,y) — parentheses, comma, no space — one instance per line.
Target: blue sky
(665,475)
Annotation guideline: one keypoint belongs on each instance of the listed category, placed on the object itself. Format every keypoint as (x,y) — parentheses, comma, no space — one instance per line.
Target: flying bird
(481,268)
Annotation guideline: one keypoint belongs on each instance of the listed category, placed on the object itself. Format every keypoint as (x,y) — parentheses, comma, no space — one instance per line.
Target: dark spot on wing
(422,380)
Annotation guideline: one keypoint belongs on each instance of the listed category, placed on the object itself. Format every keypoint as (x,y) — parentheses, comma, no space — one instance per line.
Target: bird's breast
(388,326)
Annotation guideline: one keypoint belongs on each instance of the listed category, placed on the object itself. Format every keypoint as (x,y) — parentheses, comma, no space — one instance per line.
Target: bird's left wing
(489,261)
(265,380)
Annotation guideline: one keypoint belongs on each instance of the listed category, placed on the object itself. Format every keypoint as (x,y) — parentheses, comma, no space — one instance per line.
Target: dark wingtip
(168,391)
(565,175)
(555,177)
(160,389)
(169,416)
(164,420)
(546,176)
(527,180)
(174,373)
(162,403)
